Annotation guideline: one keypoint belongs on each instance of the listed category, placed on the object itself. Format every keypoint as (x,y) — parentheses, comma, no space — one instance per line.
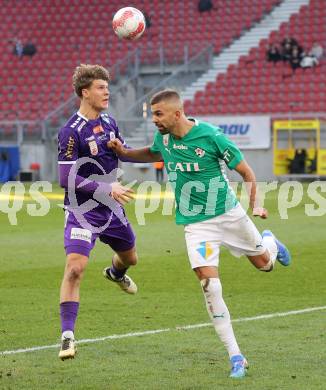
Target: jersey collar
(82,116)
(90,121)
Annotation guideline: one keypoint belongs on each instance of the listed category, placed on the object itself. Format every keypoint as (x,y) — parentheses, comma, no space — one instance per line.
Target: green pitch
(283,352)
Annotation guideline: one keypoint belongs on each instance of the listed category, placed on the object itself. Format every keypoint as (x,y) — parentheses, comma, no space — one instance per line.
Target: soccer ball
(128,23)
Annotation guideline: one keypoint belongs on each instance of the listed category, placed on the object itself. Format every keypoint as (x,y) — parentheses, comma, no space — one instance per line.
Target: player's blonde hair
(85,74)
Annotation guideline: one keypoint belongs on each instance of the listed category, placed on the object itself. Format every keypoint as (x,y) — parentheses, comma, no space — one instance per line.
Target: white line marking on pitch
(149,332)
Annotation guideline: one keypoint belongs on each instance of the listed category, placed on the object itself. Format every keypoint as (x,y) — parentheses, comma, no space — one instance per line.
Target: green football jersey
(195,167)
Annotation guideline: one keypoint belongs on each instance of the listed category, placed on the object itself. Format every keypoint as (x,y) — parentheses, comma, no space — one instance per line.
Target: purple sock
(68,315)
(117,273)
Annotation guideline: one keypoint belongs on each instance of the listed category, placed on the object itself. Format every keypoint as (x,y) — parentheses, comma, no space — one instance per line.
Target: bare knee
(74,272)
(133,260)
(75,267)
(206,272)
(127,258)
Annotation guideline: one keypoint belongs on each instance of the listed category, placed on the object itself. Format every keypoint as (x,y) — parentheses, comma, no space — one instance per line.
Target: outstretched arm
(244,169)
(137,155)
(117,191)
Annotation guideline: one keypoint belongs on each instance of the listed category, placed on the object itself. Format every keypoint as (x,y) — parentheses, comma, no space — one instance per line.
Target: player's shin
(219,314)
(118,269)
(68,315)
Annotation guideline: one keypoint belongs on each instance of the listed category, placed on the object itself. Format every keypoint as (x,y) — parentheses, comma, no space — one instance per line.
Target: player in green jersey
(195,154)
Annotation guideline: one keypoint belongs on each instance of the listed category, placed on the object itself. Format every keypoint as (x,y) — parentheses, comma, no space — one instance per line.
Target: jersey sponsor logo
(102,137)
(81,234)
(180,147)
(81,126)
(228,156)
(70,147)
(76,122)
(184,166)
(93,147)
(98,129)
(200,152)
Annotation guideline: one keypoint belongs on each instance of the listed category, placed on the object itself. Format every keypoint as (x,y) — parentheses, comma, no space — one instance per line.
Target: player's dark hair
(85,74)
(166,94)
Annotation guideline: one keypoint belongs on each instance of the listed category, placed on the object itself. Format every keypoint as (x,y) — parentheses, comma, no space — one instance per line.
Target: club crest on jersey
(166,139)
(93,147)
(98,129)
(112,135)
(200,152)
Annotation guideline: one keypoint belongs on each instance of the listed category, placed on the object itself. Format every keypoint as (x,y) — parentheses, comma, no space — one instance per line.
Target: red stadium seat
(60,49)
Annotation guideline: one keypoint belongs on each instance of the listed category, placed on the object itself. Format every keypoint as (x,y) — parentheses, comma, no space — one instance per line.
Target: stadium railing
(200,61)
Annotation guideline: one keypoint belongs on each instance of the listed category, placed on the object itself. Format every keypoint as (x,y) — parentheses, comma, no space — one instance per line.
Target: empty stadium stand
(68,32)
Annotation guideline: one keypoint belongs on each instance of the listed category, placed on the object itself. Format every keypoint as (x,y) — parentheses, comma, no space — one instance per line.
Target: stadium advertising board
(248,132)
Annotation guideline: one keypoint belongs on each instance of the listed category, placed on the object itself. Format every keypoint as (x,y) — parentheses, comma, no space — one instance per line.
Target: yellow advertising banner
(321,162)
(281,161)
(296,124)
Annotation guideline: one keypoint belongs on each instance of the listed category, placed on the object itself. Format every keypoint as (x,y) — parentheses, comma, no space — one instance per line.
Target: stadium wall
(43,154)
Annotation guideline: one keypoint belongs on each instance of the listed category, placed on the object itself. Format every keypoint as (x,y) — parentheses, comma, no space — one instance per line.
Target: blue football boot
(239,366)
(283,254)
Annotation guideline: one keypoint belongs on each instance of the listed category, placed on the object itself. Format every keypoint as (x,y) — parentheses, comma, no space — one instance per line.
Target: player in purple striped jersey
(88,170)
